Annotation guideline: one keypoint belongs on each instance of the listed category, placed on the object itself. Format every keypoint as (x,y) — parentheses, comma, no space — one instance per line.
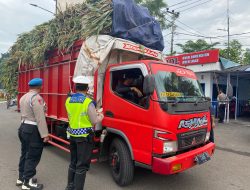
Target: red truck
(166,131)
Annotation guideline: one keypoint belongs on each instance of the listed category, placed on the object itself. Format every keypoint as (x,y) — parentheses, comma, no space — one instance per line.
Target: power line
(240,34)
(167,34)
(214,36)
(188,4)
(195,35)
(195,6)
(179,3)
(189,27)
(226,45)
(181,27)
(167,42)
(186,39)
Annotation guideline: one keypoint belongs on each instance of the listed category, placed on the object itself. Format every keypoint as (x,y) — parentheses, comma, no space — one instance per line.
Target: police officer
(32,133)
(82,117)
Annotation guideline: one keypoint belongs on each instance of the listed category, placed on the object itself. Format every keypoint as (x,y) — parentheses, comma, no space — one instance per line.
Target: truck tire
(121,164)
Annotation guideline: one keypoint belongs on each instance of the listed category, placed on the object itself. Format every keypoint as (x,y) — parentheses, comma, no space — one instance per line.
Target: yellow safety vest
(77,109)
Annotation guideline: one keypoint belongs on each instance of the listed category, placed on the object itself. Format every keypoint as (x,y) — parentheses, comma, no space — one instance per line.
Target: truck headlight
(207,136)
(170,146)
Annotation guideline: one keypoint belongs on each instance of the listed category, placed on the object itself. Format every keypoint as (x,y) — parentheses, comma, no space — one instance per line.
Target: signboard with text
(195,58)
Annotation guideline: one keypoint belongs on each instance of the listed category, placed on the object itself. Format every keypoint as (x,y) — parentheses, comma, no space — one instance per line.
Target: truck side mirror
(148,85)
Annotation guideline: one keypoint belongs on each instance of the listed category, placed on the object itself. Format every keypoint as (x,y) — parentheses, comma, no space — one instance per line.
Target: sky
(18,16)
(206,18)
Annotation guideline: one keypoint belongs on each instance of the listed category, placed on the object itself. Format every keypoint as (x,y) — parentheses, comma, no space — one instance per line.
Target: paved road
(229,169)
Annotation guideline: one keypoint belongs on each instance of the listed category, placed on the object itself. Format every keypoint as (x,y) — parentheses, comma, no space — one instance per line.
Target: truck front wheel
(121,164)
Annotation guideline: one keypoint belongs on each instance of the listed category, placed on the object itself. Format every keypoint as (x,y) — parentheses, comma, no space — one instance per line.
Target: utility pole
(228,33)
(175,15)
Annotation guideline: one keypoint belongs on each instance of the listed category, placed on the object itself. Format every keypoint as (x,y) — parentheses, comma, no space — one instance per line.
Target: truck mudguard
(115,131)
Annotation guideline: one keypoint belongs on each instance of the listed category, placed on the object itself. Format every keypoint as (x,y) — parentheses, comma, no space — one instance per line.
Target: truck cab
(167,130)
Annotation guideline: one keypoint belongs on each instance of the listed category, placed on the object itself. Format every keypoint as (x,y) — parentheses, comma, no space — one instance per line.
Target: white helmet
(81,80)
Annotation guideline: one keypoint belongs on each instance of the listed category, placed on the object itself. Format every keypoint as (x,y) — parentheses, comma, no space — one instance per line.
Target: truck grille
(190,139)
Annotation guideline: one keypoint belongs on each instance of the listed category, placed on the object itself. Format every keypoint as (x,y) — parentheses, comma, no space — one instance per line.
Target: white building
(215,72)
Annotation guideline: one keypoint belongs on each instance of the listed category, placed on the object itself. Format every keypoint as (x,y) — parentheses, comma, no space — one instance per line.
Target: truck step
(59,139)
(59,146)
(94,160)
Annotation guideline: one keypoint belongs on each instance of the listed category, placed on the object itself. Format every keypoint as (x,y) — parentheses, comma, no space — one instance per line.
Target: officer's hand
(46,139)
(45,107)
(100,115)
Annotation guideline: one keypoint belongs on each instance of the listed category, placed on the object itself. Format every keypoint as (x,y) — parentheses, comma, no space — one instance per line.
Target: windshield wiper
(198,100)
(165,101)
(176,101)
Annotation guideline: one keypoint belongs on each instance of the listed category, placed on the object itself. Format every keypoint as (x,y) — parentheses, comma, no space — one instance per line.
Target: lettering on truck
(193,123)
(140,49)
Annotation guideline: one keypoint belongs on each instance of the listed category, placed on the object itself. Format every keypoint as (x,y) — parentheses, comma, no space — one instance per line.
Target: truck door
(127,112)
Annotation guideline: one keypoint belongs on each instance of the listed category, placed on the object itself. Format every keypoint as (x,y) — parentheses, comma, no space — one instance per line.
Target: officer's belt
(81,131)
(29,122)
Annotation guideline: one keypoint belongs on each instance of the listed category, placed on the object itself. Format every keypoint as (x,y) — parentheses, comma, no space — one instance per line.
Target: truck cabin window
(171,87)
(128,84)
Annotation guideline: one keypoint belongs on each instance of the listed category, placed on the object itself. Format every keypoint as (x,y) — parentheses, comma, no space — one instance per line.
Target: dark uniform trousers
(31,150)
(221,112)
(81,151)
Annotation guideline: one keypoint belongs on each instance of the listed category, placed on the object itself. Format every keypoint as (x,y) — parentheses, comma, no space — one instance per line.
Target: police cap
(36,82)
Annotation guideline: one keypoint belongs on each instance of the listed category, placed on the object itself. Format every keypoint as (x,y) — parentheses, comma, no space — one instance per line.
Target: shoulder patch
(77,99)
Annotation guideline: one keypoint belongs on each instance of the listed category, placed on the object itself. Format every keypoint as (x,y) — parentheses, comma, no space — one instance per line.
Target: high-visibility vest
(77,109)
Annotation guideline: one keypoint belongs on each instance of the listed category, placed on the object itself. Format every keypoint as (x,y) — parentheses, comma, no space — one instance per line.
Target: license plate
(202,158)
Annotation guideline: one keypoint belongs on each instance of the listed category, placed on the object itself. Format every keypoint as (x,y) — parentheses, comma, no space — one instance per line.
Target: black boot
(71,176)
(30,185)
(79,180)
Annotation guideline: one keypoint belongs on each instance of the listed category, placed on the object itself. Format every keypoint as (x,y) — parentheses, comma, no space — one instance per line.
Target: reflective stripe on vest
(77,109)
(82,131)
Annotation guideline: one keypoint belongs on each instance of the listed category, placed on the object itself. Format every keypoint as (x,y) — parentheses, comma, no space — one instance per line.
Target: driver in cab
(128,90)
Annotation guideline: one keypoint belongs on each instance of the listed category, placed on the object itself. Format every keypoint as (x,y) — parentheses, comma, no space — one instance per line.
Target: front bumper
(165,165)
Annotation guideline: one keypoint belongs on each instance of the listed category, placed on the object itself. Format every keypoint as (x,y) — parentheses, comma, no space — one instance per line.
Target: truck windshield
(173,88)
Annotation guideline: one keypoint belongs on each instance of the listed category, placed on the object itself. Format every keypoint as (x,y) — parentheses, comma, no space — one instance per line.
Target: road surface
(229,169)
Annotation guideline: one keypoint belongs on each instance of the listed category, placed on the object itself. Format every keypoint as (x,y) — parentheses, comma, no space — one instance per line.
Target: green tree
(8,73)
(235,51)
(2,58)
(246,57)
(198,45)
(156,9)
